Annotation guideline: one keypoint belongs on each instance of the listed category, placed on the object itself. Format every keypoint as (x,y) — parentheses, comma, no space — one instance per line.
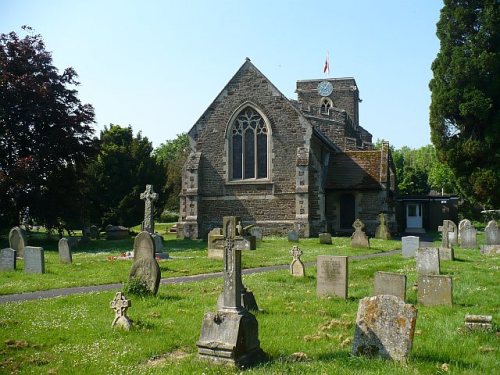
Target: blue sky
(157,65)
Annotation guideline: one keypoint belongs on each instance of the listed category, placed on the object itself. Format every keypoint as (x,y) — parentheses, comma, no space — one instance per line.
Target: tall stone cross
(234,243)
(149,196)
(444,229)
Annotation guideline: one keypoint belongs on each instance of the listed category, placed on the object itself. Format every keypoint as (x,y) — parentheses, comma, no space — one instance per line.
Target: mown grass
(93,264)
(68,335)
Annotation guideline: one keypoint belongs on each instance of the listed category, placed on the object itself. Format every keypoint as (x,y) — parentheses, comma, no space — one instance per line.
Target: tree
(45,133)
(173,154)
(119,174)
(465,106)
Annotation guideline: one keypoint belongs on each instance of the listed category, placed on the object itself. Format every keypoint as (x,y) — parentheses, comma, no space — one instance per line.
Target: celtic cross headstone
(149,196)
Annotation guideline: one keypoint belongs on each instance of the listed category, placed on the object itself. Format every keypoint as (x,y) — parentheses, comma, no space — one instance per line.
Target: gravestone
(230,335)
(18,241)
(446,253)
(390,283)
(435,290)
(7,259)
(460,228)
(293,236)
(490,249)
(410,245)
(452,233)
(116,232)
(216,243)
(468,237)
(64,251)
(297,267)
(382,230)
(94,232)
(257,232)
(332,276)
(479,322)
(144,246)
(34,260)
(385,326)
(359,238)
(325,238)
(492,233)
(120,304)
(72,241)
(149,196)
(427,260)
(448,226)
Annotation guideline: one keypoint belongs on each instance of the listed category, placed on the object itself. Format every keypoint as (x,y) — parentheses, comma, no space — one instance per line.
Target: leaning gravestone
(325,238)
(7,259)
(359,238)
(332,276)
(435,290)
(34,260)
(18,241)
(231,334)
(427,260)
(468,237)
(384,328)
(460,228)
(492,233)
(410,245)
(390,283)
(382,230)
(293,236)
(145,267)
(297,267)
(64,251)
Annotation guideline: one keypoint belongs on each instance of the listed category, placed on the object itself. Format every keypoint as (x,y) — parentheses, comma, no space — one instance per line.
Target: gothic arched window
(249,146)
(326,104)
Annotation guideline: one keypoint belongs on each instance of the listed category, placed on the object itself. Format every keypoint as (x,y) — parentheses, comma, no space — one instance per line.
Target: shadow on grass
(438,358)
(175,245)
(332,356)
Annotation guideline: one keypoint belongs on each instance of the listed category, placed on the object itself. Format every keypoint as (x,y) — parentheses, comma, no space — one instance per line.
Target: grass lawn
(73,335)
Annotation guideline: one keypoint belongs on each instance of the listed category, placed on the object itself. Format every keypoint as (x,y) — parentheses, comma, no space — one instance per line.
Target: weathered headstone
(293,236)
(149,196)
(231,334)
(446,253)
(64,251)
(297,267)
(18,241)
(257,232)
(325,238)
(390,283)
(410,245)
(448,226)
(94,232)
(116,232)
(7,259)
(332,276)
(452,234)
(144,246)
(427,260)
(490,249)
(158,240)
(147,271)
(385,326)
(468,237)
(359,238)
(120,304)
(492,233)
(34,260)
(460,228)
(479,322)
(435,290)
(382,231)
(216,243)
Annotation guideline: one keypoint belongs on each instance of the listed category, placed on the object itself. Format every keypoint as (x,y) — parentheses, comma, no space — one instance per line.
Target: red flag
(326,68)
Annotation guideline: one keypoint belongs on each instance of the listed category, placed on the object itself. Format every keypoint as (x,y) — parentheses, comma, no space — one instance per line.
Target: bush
(137,287)
(169,216)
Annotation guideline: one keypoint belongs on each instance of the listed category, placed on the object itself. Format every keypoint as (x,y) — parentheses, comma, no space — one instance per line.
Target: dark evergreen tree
(465,108)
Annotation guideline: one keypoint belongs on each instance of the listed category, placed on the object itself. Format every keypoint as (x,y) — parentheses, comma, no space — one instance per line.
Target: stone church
(284,164)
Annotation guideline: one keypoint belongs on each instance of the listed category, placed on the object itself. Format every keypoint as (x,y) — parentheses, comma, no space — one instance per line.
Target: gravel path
(171,280)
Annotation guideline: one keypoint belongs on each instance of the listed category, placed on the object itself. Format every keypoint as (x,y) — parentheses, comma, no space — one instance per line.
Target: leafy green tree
(119,174)
(45,134)
(465,107)
(173,154)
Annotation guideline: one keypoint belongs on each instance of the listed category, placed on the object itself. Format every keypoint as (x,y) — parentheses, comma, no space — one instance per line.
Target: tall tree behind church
(119,174)
(465,107)
(45,134)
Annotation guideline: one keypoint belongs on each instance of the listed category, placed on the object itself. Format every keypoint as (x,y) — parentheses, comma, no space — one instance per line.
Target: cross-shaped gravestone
(381,218)
(444,229)
(296,267)
(296,253)
(120,304)
(234,243)
(149,197)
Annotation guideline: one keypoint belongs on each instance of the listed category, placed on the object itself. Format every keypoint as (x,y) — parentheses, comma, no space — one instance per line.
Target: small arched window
(249,146)
(326,104)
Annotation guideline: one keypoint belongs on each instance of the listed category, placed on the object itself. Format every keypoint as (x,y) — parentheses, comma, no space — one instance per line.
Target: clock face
(325,88)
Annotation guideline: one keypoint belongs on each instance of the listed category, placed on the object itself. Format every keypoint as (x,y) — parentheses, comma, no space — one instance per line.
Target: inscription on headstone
(435,290)
(359,238)
(64,251)
(297,267)
(34,260)
(410,245)
(332,276)
(384,328)
(390,283)
(7,259)
(428,261)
